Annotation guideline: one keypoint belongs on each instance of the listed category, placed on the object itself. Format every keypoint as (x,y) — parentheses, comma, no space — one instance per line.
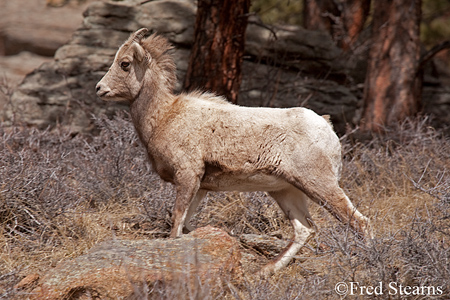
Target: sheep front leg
(192,208)
(186,191)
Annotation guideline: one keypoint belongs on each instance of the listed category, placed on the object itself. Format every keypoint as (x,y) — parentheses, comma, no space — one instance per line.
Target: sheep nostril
(97,88)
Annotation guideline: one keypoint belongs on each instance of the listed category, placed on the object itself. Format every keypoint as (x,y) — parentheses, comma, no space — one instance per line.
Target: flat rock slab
(115,269)
(36,27)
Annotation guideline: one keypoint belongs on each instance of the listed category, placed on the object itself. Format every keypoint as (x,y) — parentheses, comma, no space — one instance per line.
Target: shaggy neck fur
(156,97)
(149,108)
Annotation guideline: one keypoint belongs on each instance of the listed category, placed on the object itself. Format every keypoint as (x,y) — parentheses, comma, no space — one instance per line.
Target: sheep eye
(124,65)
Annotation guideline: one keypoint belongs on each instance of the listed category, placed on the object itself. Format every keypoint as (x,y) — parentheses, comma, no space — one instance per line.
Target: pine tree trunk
(353,15)
(216,57)
(392,88)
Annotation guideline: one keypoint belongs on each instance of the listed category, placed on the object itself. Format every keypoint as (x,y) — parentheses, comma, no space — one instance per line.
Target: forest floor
(61,194)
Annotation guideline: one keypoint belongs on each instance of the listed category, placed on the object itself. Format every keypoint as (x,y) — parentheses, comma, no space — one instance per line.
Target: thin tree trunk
(216,57)
(353,15)
(392,88)
(343,19)
(318,14)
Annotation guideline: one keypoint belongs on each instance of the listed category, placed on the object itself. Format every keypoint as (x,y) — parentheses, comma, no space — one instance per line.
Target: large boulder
(125,269)
(130,269)
(34,27)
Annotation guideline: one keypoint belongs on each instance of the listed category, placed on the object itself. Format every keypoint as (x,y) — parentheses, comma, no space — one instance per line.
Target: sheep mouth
(108,96)
(102,94)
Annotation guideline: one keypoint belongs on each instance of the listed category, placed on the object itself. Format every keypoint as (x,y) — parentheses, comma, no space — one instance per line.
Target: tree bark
(216,57)
(318,14)
(343,19)
(354,14)
(393,86)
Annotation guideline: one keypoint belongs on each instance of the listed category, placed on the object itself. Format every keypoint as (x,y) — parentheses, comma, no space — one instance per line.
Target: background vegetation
(60,194)
(435,26)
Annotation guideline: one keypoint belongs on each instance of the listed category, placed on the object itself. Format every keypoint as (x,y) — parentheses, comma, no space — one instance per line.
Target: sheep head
(138,62)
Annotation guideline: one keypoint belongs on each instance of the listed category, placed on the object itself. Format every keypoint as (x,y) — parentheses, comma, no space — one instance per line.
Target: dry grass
(60,194)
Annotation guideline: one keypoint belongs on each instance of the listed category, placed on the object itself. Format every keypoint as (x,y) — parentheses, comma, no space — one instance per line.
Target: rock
(18,65)
(128,269)
(119,269)
(268,246)
(308,51)
(26,26)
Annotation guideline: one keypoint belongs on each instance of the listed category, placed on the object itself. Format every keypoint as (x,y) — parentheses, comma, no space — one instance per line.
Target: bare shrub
(57,191)
(62,193)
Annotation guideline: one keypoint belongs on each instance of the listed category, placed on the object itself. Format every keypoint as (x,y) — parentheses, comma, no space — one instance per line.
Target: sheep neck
(149,108)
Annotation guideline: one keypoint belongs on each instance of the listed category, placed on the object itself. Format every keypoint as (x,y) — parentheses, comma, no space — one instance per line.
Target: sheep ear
(139,35)
(139,51)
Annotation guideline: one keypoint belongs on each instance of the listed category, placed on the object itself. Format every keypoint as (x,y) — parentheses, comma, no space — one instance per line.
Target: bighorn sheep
(200,142)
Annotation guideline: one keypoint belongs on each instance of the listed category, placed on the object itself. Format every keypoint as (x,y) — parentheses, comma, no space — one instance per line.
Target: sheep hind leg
(326,192)
(293,202)
(191,211)
(334,199)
